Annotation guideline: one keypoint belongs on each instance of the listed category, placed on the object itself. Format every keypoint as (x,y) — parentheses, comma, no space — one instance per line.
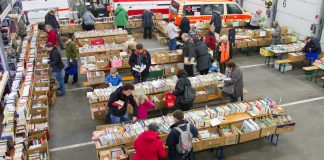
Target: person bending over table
(118,102)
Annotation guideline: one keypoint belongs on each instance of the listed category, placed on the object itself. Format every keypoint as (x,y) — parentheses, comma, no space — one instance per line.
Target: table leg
(316,75)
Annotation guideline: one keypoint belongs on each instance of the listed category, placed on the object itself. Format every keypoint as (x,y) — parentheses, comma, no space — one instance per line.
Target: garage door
(322,41)
(298,15)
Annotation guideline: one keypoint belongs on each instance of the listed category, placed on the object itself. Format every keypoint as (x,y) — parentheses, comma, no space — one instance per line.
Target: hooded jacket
(203,57)
(118,95)
(179,91)
(147,19)
(121,16)
(173,140)
(312,46)
(88,18)
(188,49)
(145,59)
(51,20)
(149,146)
(56,60)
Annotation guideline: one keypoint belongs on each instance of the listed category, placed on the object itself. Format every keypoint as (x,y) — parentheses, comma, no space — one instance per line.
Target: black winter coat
(117,95)
(179,91)
(55,60)
(146,59)
(188,49)
(313,46)
(216,20)
(173,140)
(184,25)
(147,19)
(231,35)
(51,20)
(203,57)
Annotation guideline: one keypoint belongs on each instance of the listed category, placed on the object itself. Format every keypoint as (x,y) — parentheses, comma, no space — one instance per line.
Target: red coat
(149,146)
(51,37)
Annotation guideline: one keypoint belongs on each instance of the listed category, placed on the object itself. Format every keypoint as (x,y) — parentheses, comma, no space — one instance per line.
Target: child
(114,78)
(143,105)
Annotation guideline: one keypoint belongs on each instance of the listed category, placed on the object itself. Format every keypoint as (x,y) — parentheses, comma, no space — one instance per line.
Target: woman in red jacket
(212,40)
(148,145)
(51,35)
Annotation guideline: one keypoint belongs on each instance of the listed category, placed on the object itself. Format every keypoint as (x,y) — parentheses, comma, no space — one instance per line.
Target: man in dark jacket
(173,137)
(203,57)
(184,25)
(312,45)
(147,23)
(137,59)
(180,89)
(50,19)
(231,38)
(216,20)
(189,54)
(56,64)
(148,145)
(118,102)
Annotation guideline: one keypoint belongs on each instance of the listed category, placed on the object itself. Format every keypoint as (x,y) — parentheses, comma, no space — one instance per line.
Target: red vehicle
(136,7)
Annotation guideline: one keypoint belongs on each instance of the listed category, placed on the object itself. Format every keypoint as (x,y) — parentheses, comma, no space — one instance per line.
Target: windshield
(174,7)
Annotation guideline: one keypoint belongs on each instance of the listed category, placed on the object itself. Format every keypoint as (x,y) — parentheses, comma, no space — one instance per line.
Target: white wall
(252,5)
(298,15)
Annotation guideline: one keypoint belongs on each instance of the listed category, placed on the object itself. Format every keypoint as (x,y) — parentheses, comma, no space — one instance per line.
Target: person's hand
(134,119)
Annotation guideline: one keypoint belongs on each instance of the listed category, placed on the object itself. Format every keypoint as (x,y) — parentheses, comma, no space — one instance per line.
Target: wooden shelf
(3,82)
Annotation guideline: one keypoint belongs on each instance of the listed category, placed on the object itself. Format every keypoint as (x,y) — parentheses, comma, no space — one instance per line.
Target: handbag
(228,88)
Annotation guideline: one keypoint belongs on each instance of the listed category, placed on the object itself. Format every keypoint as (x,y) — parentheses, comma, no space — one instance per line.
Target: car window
(218,8)
(233,9)
(207,9)
(191,9)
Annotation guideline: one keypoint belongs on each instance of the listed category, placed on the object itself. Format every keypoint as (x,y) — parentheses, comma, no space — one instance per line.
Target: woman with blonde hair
(224,55)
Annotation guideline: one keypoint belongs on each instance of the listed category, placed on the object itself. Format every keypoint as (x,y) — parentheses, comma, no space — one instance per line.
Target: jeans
(232,50)
(75,76)
(147,32)
(88,27)
(58,36)
(138,78)
(117,119)
(173,44)
(59,78)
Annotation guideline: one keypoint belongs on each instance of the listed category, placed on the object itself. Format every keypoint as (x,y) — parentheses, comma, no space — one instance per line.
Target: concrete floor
(71,125)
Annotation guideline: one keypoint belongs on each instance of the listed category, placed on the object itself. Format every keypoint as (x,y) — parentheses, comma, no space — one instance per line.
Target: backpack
(189,95)
(184,145)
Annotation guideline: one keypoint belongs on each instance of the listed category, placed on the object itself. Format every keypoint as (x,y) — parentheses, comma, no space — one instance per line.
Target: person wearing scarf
(138,58)
(224,55)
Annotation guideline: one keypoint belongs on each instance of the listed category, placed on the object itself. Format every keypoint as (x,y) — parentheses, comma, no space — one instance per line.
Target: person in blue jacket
(114,78)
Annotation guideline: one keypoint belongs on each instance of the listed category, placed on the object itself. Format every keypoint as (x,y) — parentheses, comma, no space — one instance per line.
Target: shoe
(74,82)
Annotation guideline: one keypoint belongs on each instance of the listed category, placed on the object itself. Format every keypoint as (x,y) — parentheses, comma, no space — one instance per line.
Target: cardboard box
(256,33)
(197,145)
(268,131)
(214,142)
(121,39)
(284,30)
(252,43)
(158,16)
(161,104)
(176,58)
(224,31)
(112,53)
(242,23)
(99,110)
(269,33)
(232,138)
(96,79)
(162,57)
(262,42)
(138,24)
(286,128)
(296,57)
(244,137)
(102,65)
(164,41)
(109,39)
(125,62)
(84,41)
(241,44)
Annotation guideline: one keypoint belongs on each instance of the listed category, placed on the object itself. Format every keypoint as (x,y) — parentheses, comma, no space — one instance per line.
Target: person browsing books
(180,138)
(143,105)
(118,102)
(148,145)
(114,79)
(140,62)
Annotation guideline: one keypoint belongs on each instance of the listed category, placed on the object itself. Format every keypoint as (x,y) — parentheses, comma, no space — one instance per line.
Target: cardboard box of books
(284,30)
(230,133)
(116,153)
(119,39)
(38,113)
(109,39)
(158,101)
(212,137)
(112,53)
(38,153)
(248,130)
(197,144)
(37,126)
(252,42)
(285,124)
(262,42)
(125,62)
(241,44)
(99,110)
(162,56)
(296,56)
(96,77)
(36,142)
(265,52)
(101,65)
(38,104)
(175,57)
(84,41)
(40,95)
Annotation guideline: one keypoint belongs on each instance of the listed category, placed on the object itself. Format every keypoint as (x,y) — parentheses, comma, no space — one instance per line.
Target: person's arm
(174,29)
(178,90)
(107,80)
(194,131)
(119,79)
(149,63)
(113,98)
(171,140)
(191,51)
(276,32)
(92,17)
(314,47)
(131,61)
(148,104)
(134,104)
(162,153)
(236,76)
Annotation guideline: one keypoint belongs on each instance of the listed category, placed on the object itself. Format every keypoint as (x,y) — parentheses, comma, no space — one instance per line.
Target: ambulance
(201,10)
(136,7)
